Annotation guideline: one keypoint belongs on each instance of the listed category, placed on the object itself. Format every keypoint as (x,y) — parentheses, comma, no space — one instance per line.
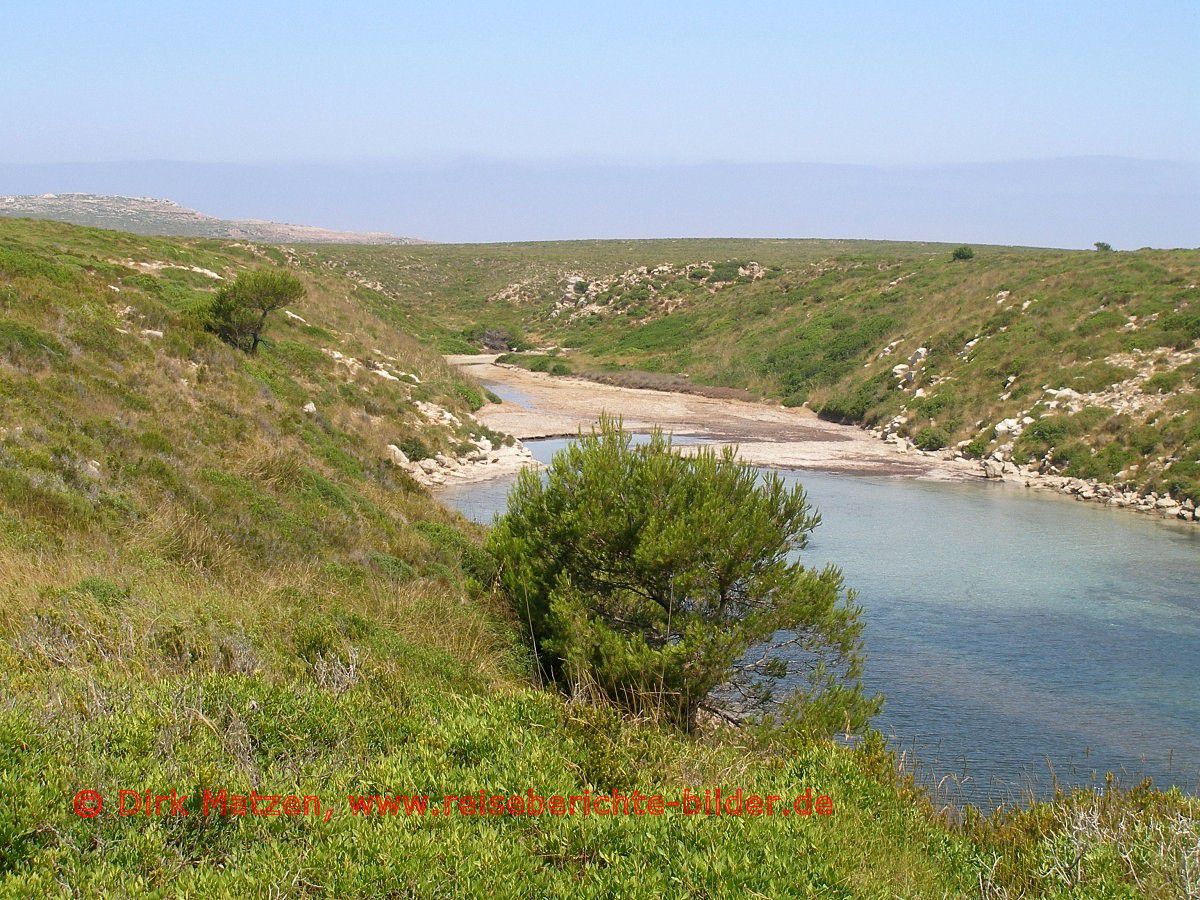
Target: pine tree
(240,308)
(672,582)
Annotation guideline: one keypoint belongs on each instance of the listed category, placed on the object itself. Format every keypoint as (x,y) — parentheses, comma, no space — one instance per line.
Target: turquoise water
(1019,639)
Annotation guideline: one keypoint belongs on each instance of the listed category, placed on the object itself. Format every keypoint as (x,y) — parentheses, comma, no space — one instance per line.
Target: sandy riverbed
(765,434)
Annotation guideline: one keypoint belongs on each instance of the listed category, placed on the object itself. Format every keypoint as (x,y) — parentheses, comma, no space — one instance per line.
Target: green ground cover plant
(205,586)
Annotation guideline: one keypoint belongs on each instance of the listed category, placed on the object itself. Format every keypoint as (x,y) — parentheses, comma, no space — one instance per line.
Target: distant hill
(154,216)
(1072,202)
(1082,363)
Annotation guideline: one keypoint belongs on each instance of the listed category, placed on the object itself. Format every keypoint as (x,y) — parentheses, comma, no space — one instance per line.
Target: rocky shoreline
(484,462)
(1112,495)
(998,468)
(1127,396)
(766,435)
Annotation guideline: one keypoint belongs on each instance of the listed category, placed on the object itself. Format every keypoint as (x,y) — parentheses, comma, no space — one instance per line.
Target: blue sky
(884,83)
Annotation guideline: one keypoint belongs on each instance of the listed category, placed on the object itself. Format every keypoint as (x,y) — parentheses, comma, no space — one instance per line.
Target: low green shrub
(414,448)
(391,566)
(16,263)
(726,271)
(22,342)
(469,395)
(931,438)
(857,405)
(1164,382)
(976,448)
(1104,320)
(1182,480)
(459,550)
(1038,438)
(1183,326)
(1097,376)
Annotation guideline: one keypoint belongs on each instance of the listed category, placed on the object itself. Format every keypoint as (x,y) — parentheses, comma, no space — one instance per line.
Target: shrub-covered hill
(1100,351)
(204,587)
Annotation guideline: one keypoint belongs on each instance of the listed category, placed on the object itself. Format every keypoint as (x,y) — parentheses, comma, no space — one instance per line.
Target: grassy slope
(815,327)
(200,586)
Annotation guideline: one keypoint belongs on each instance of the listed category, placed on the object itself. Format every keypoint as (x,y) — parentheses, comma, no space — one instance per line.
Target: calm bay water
(1018,638)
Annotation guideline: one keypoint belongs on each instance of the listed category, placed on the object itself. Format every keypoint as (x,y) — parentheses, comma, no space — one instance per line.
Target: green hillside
(825,323)
(205,586)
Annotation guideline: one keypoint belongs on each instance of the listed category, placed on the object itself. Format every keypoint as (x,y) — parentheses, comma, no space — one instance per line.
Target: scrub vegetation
(213,578)
(826,323)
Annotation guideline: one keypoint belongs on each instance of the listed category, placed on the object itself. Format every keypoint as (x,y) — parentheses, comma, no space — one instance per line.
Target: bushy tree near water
(240,308)
(666,581)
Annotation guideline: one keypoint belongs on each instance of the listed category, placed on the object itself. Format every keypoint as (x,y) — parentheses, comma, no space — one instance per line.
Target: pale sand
(765,435)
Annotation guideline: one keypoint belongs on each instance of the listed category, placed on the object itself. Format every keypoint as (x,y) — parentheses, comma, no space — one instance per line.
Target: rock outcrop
(482,461)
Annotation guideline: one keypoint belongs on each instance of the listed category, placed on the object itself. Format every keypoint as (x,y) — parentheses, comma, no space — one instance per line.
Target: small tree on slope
(240,308)
(665,581)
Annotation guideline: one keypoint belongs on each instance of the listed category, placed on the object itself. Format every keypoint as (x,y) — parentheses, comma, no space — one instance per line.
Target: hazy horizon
(1021,123)
(1066,202)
